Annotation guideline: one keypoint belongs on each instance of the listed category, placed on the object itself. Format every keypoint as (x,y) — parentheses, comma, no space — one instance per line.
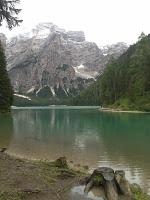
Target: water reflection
(85,136)
(6,129)
(77,193)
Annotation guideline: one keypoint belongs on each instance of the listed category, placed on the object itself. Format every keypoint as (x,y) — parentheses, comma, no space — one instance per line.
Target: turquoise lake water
(84,135)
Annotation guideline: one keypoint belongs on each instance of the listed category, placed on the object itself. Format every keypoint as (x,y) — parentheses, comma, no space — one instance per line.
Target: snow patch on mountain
(80,71)
(22,96)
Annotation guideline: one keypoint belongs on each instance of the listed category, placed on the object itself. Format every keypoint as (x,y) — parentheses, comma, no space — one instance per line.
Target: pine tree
(6,92)
(8,12)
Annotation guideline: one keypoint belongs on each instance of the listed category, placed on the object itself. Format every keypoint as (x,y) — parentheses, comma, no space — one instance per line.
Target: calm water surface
(86,136)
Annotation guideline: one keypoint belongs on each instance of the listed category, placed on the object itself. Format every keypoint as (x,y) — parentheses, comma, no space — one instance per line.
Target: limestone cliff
(50,61)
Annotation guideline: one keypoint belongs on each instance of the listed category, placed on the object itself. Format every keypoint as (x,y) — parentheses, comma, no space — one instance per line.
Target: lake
(84,135)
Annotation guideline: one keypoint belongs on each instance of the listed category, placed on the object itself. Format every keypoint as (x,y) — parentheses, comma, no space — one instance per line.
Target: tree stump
(123,184)
(113,183)
(105,177)
(61,162)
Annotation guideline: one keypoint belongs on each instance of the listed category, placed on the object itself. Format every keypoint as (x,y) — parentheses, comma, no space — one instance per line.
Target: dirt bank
(34,180)
(30,180)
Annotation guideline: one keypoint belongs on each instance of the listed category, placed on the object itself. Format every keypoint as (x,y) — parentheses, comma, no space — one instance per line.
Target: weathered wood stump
(113,183)
(123,184)
(61,162)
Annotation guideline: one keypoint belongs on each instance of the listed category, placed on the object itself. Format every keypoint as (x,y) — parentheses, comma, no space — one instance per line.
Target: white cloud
(103,21)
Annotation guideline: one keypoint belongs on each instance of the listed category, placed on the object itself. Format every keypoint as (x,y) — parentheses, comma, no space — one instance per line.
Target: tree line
(125,82)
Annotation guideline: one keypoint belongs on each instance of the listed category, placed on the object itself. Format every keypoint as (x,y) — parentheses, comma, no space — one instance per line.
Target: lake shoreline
(113,110)
(22,179)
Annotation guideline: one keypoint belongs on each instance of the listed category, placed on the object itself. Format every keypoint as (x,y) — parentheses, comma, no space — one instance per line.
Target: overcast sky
(103,21)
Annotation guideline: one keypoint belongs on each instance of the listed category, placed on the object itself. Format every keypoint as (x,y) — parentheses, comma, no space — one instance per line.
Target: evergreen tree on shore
(8,13)
(6,92)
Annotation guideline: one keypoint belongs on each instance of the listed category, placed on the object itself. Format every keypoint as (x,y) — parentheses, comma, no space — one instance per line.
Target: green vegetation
(98,180)
(12,196)
(89,97)
(125,83)
(60,93)
(138,193)
(20,101)
(37,101)
(45,92)
(6,93)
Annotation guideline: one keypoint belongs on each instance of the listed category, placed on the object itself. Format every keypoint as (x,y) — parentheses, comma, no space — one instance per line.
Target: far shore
(121,111)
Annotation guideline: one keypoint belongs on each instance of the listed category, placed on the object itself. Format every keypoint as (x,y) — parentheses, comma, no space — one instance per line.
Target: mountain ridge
(52,57)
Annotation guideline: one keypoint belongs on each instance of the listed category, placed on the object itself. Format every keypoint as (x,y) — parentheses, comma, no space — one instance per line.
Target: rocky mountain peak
(51,59)
(115,49)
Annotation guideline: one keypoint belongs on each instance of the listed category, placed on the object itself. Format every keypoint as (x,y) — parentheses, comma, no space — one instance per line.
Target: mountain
(50,62)
(125,82)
